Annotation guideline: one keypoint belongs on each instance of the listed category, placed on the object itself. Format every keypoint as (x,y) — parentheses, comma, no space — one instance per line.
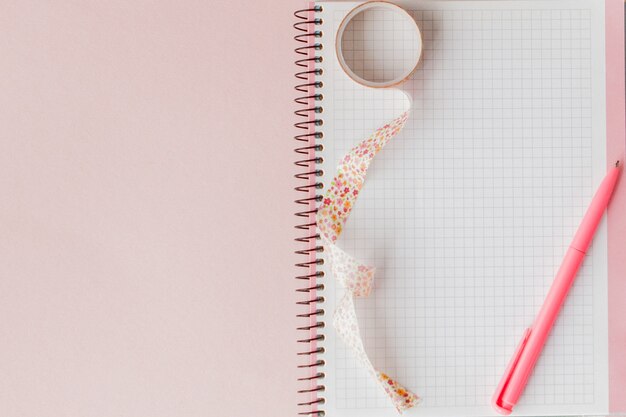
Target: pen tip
(617,164)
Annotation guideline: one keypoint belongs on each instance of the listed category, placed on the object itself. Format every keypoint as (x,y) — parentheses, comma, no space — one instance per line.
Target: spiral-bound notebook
(468,211)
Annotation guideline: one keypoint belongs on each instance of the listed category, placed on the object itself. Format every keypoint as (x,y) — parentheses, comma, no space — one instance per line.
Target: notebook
(467,212)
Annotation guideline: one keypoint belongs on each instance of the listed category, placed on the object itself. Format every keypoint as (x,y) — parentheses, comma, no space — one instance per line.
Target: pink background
(145,147)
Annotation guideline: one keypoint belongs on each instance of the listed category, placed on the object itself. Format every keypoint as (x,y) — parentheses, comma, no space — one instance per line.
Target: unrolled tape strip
(344,189)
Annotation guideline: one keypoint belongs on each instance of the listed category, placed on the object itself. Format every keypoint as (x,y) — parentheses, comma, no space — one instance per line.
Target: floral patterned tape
(354,276)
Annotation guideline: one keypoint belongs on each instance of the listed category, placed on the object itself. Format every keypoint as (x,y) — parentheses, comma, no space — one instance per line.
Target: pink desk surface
(145,148)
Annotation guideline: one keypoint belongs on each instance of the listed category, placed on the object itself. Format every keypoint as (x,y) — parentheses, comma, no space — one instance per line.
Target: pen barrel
(543,323)
(522,363)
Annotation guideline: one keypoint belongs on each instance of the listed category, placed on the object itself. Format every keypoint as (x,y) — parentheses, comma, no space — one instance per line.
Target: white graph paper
(468,211)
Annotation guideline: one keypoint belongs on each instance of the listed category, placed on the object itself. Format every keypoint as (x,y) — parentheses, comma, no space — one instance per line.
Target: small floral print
(356,277)
(349,178)
(402,398)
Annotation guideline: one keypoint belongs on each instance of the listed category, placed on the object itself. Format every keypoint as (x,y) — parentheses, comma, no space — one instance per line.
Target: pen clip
(496,400)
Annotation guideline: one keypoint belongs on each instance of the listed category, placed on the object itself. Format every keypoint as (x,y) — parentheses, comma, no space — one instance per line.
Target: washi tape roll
(378,44)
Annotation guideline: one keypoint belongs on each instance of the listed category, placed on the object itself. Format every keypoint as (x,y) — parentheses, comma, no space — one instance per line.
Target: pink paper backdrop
(617,220)
(145,148)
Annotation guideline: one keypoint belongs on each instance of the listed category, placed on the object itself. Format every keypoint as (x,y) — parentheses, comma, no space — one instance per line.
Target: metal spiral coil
(309,112)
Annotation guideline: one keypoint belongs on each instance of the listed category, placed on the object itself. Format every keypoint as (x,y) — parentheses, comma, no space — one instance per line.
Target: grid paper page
(468,211)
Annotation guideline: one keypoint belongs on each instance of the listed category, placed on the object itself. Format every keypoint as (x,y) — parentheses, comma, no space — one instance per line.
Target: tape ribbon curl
(337,204)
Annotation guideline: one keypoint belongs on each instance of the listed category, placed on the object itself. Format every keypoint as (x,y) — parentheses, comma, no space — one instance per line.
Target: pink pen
(521,365)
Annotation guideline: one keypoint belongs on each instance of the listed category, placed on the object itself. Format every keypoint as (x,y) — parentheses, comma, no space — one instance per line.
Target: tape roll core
(355,69)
